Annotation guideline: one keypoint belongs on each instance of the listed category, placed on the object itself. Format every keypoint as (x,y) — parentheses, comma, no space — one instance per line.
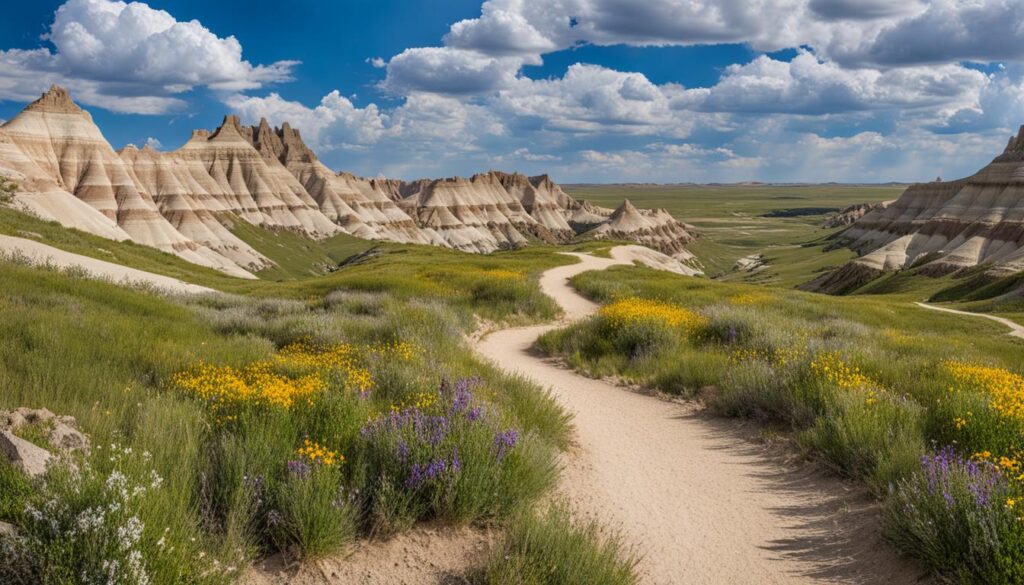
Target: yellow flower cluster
(830,366)
(400,349)
(304,354)
(420,400)
(257,383)
(1004,388)
(898,337)
(751,298)
(320,455)
(633,310)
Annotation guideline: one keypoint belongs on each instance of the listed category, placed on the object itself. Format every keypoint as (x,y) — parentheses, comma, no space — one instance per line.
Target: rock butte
(182,201)
(941,227)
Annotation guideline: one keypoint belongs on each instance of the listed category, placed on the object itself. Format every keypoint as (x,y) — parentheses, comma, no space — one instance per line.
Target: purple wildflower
(945,469)
(403,451)
(474,414)
(504,442)
(298,468)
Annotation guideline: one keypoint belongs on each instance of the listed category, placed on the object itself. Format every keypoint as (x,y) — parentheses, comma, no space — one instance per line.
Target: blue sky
(588,90)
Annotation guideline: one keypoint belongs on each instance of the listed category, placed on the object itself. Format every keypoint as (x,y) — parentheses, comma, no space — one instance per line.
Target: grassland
(294,414)
(736,221)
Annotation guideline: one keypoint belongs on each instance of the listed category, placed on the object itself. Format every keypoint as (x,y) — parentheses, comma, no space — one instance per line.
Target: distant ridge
(941,227)
(181,201)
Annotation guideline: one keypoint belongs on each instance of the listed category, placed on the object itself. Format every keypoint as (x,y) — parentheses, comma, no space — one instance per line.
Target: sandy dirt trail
(693,494)
(1016,330)
(39,253)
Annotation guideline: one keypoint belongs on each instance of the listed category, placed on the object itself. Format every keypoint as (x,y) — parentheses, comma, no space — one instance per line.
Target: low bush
(551,549)
(961,517)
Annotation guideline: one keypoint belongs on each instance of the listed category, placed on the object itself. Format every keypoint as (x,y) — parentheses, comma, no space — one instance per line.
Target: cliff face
(178,201)
(943,226)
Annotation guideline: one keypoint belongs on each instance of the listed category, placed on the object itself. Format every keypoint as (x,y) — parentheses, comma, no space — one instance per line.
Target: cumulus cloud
(525,154)
(131,58)
(946,31)
(808,86)
(452,71)
(424,122)
(377,62)
(861,9)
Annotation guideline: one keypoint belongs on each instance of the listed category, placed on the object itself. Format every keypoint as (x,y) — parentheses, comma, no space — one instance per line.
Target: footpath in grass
(925,408)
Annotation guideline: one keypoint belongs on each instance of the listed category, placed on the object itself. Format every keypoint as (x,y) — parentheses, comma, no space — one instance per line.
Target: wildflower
(832,368)
(298,468)
(504,442)
(320,455)
(632,310)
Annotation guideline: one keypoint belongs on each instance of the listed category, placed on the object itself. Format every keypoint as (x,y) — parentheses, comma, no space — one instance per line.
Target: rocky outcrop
(61,434)
(943,226)
(656,229)
(56,146)
(851,214)
(183,201)
(23,455)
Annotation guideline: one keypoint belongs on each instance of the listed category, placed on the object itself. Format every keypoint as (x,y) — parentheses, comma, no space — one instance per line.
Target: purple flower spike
(504,442)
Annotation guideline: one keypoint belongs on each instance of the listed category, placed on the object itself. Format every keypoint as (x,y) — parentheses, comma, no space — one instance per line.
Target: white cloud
(377,62)
(525,154)
(499,31)
(946,31)
(425,122)
(153,143)
(445,70)
(131,58)
(809,86)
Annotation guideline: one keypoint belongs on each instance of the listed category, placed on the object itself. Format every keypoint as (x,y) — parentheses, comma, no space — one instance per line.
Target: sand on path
(43,254)
(700,501)
(1016,329)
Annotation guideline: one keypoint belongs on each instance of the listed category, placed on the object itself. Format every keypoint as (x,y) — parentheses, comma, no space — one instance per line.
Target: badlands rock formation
(182,201)
(656,229)
(942,227)
(850,215)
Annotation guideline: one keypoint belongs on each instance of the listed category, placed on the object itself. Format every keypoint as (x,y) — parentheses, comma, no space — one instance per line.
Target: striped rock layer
(942,227)
(182,201)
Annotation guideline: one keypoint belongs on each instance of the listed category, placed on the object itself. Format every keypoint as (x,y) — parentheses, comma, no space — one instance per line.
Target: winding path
(1016,330)
(692,494)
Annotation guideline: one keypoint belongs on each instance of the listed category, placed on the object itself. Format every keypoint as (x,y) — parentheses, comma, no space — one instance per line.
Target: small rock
(15,421)
(66,438)
(7,530)
(30,459)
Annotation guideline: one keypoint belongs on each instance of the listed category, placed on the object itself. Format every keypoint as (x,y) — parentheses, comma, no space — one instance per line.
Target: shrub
(445,456)
(7,190)
(87,524)
(960,517)
(553,550)
(877,437)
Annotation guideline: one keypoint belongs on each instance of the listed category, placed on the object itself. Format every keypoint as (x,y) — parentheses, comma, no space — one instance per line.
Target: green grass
(551,549)
(296,256)
(107,355)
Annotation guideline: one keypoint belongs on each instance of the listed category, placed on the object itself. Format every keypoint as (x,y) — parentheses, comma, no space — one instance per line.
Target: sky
(586,90)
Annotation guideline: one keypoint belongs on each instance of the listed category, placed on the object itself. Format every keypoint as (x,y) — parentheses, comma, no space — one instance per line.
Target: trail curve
(692,494)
